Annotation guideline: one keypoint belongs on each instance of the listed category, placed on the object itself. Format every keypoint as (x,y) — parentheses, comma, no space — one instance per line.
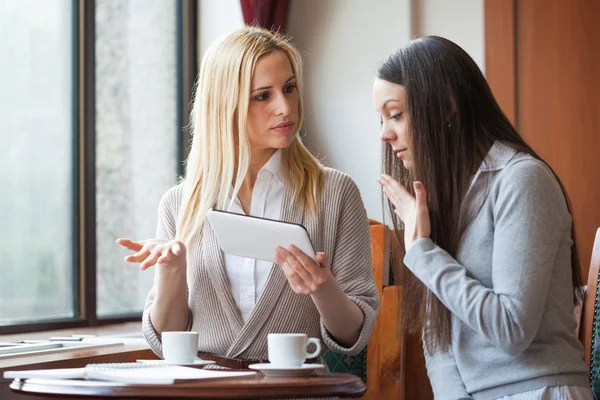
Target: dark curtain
(269,14)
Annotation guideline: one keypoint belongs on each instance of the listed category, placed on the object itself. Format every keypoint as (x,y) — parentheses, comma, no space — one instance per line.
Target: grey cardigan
(340,229)
(509,288)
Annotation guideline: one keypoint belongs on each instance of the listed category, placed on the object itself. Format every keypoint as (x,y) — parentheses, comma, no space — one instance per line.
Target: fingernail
(417,185)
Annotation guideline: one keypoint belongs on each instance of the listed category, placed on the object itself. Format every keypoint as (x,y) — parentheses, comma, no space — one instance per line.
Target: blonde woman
(247,153)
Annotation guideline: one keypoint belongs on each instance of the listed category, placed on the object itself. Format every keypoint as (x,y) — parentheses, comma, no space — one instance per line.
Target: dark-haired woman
(491,271)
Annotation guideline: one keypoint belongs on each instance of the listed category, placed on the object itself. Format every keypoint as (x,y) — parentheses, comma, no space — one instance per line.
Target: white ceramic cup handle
(317,351)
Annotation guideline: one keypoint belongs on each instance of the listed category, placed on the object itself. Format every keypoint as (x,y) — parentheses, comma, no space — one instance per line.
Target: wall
(459,20)
(217,18)
(342,41)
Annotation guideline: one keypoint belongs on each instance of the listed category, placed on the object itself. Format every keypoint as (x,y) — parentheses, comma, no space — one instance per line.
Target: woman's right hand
(155,251)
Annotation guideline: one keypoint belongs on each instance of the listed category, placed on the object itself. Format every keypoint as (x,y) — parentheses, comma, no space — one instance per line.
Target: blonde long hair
(218,122)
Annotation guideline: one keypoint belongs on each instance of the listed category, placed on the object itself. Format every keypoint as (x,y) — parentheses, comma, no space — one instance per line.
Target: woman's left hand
(304,275)
(412,211)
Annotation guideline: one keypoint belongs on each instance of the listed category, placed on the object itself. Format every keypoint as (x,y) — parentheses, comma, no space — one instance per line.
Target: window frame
(84,157)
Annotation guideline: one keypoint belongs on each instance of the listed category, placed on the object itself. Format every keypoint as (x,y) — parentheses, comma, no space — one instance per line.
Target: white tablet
(253,237)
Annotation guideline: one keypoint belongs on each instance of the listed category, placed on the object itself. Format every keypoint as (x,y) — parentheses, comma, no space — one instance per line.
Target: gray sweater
(340,229)
(509,288)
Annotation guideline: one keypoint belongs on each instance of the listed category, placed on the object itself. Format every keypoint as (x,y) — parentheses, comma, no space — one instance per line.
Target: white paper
(136,373)
(64,373)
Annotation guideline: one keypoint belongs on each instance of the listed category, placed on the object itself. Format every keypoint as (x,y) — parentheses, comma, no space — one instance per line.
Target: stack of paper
(137,373)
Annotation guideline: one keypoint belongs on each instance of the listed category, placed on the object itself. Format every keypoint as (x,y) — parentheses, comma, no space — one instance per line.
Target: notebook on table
(135,373)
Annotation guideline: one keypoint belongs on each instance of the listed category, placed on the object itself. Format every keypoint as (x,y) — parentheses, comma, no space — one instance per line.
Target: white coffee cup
(180,347)
(289,349)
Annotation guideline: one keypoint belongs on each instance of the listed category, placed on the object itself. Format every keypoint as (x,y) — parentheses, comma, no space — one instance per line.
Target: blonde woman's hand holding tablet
(304,275)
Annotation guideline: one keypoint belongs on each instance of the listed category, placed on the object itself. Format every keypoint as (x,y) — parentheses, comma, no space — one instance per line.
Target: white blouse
(247,276)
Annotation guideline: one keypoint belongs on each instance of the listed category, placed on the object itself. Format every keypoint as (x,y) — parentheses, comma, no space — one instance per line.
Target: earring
(449,124)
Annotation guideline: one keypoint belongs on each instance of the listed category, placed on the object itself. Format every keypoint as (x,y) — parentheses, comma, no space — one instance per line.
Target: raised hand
(155,251)
(412,211)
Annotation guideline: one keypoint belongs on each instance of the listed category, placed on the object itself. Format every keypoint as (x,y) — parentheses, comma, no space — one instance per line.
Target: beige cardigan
(340,229)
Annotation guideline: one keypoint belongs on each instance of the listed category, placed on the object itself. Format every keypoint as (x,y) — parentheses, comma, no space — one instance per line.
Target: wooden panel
(391,377)
(377,231)
(373,358)
(558,73)
(415,371)
(500,66)
(402,372)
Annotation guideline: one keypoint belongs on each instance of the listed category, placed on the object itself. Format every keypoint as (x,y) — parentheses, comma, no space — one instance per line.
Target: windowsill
(104,330)
(128,351)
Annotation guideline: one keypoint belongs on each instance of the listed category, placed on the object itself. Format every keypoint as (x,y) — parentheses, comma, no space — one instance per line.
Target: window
(37,182)
(136,141)
(91,113)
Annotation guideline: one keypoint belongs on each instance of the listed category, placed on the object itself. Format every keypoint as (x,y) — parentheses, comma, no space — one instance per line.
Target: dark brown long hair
(454,120)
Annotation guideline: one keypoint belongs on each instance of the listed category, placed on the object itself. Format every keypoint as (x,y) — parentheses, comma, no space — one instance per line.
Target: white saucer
(198,362)
(270,370)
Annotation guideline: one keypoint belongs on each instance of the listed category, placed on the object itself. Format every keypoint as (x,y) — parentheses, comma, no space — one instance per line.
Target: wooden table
(250,388)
